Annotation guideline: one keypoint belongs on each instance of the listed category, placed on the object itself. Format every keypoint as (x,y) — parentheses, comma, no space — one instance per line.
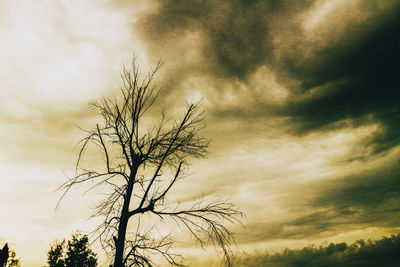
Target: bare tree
(141,165)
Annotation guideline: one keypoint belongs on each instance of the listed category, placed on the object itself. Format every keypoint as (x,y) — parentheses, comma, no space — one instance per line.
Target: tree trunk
(123,223)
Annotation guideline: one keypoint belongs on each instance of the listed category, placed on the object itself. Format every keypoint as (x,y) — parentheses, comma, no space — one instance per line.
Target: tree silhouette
(8,258)
(141,165)
(4,255)
(55,256)
(75,254)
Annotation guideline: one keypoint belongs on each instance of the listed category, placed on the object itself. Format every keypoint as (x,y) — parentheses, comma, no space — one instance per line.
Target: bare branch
(208,220)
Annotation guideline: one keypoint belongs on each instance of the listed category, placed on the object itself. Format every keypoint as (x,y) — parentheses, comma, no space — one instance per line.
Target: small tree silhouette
(141,165)
(4,255)
(75,254)
(8,258)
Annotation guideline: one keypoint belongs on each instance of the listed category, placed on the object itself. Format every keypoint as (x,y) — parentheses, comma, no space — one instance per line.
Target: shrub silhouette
(74,253)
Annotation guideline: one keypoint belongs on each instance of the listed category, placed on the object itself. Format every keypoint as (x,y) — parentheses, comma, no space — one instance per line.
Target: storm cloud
(383,252)
(338,61)
(354,79)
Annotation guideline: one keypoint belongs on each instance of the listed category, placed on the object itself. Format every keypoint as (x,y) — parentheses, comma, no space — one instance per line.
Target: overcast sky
(301,101)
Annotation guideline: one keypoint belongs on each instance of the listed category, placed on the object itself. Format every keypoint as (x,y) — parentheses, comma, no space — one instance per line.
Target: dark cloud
(345,75)
(237,34)
(362,253)
(355,80)
(341,74)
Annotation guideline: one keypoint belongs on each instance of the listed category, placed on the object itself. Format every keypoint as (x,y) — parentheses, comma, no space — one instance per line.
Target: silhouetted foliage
(4,255)
(141,165)
(74,253)
(8,257)
(383,253)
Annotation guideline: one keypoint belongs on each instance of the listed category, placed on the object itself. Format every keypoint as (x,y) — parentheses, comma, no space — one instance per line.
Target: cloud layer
(361,253)
(318,74)
(337,60)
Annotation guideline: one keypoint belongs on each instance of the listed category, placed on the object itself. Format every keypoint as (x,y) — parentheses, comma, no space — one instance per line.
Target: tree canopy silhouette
(74,253)
(141,165)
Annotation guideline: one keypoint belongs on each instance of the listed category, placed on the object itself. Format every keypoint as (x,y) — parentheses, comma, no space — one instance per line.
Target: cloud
(329,200)
(216,40)
(383,252)
(334,62)
(352,79)
(371,198)
(56,56)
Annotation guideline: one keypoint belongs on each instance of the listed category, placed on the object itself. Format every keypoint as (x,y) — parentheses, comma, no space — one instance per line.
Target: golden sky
(301,102)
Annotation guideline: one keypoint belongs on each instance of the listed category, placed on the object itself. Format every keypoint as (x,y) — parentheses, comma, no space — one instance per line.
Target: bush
(74,253)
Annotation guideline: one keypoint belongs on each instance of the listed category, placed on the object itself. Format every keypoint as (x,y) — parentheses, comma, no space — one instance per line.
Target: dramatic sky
(301,101)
